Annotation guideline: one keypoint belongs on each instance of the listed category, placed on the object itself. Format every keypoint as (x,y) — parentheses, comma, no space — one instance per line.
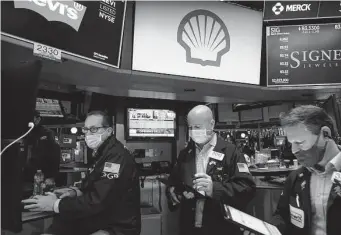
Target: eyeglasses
(195,127)
(92,129)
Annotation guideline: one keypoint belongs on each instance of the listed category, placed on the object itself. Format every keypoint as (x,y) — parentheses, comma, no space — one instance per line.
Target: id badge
(296,217)
(217,156)
(336,178)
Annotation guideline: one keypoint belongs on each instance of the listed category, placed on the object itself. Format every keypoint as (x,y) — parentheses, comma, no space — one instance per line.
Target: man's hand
(188,195)
(246,232)
(65,192)
(174,197)
(203,182)
(41,203)
(49,181)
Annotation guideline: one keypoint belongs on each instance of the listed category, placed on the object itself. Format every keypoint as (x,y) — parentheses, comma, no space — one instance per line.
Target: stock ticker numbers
(303,54)
(309,29)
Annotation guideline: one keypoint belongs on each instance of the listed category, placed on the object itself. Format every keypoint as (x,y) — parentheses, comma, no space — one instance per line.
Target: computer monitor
(150,123)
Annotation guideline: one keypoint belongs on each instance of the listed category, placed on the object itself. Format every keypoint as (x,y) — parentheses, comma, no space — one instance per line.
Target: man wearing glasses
(108,201)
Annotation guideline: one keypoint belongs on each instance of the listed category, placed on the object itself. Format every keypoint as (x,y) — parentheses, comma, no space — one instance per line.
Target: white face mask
(199,136)
(94,141)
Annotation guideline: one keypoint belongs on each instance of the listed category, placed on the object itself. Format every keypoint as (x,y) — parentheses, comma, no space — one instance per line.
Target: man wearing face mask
(108,201)
(216,170)
(310,203)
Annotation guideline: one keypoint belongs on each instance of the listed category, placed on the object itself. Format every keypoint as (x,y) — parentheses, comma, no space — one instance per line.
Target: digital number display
(303,54)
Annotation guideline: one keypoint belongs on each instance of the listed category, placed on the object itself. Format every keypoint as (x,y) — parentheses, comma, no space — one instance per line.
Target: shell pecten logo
(204,36)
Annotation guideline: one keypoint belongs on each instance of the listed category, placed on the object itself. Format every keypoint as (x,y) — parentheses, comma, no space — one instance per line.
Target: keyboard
(73,165)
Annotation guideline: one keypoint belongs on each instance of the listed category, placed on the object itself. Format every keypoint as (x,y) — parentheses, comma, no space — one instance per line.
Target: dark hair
(107,119)
(313,117)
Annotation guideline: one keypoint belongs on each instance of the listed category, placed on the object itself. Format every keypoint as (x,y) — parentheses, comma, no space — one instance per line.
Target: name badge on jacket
(217,156)
(336,178)
(296,217)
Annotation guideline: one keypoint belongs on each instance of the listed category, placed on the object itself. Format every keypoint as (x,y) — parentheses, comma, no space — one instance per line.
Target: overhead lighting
(74,130)
(211,99)
(152,94)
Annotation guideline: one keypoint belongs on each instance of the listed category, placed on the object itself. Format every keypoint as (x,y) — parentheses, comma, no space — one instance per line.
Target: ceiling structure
(78,75)
(75,74)
(254,5)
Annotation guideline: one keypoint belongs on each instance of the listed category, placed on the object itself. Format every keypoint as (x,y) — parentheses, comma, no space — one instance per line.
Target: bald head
(201,116)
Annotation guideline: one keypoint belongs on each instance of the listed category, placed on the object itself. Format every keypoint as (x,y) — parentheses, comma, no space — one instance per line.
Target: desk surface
(272,171)
(32,216)
(266,185)
(72,170)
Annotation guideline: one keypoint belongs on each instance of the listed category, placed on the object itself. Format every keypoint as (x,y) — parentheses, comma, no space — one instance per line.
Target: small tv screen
(151,123)
(49,107)
(279,140)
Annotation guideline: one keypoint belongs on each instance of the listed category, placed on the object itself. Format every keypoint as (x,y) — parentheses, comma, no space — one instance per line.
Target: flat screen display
(151,123)
(49,107)
(295,10)
(299,55)
(210,40)
(279,140)
(91,30)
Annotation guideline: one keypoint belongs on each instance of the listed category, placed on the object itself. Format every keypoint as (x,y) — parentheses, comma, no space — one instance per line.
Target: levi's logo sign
(68,12)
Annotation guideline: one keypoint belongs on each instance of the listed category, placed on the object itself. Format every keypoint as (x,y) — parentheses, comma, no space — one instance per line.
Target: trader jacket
(110,200)
(294,219)
(230,186)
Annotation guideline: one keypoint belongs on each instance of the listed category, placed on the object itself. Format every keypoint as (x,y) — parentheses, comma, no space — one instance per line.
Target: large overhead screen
(91,30)
(293,10)
(304,55)
(211,40)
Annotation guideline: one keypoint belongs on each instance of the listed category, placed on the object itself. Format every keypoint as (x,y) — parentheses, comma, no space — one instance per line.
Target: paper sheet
(252,222)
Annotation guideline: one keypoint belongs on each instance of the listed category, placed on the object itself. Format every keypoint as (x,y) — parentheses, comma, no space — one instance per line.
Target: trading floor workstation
(147,65)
